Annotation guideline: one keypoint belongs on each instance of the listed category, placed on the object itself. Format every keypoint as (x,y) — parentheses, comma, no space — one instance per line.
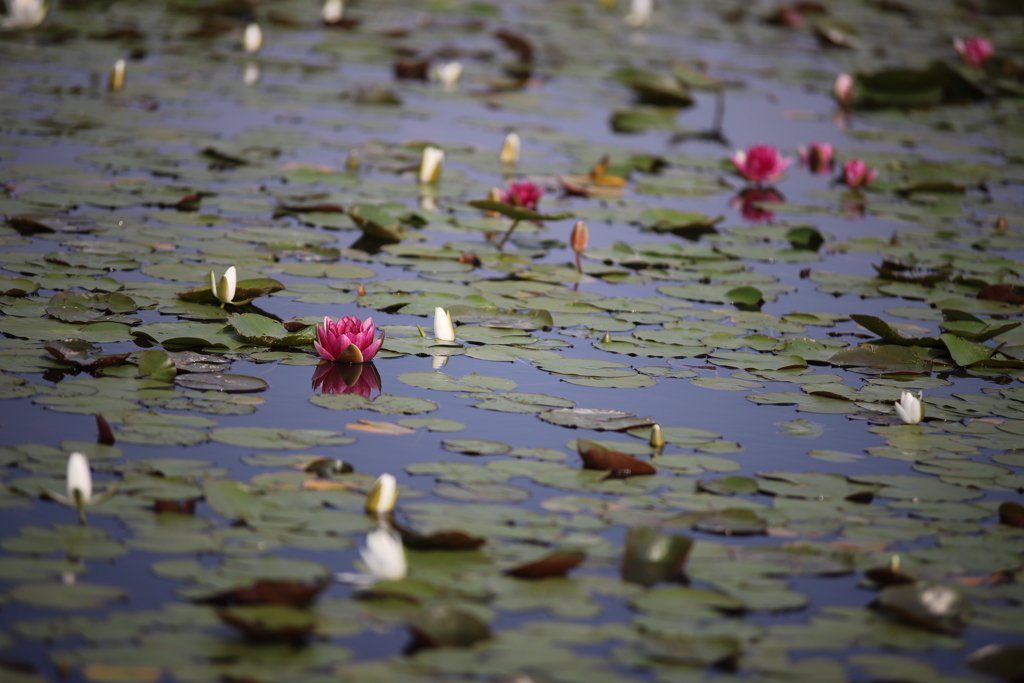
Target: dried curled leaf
(597,457)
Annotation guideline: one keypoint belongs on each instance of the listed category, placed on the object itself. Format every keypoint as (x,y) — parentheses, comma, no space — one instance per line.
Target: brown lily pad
(557,563)
(83,354)
(272,592)
(1011,513)
(439,540)
(1007,294)
(597,457)
(270,623)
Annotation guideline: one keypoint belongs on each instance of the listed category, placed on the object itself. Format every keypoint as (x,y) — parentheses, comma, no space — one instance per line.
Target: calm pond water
(830,540)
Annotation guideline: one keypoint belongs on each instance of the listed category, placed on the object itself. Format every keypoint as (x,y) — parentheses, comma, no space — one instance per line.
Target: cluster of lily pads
(640,548)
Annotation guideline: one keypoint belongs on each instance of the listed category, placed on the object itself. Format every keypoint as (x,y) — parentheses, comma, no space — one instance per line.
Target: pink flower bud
(579,237)
(857,174)
(974,51)
(843,89)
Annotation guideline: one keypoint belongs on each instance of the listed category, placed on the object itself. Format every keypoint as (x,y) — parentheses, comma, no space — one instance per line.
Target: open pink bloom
(751,203)
(760,163)
(337,378)
(818,157)
(843,89)
(524,194)
(974,51)
(347,340)
(858,174)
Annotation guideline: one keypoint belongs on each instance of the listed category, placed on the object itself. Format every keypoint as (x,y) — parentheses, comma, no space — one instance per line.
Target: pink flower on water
(337,378)
(843,89)
(974,51)
(347,340)
(524,194)
(858,174)
(818,157)
(751,203)
(760,163)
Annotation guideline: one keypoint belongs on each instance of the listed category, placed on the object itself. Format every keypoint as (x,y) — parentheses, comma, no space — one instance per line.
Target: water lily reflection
(751,203)
(342,378)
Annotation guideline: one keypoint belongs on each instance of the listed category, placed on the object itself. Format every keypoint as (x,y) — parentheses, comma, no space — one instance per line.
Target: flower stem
(507,235)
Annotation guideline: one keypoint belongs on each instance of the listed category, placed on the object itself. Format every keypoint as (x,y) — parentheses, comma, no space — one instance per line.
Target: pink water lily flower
(818,157)
(857,174)
(974,51)
(347,340)
(524,194)
(760,163)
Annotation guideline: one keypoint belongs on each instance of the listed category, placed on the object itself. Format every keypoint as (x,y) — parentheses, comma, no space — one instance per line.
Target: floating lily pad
(442,382)
(232,384)
(594,418)
(73,596)
(652,555)
(475,446)
(934,606)
(270,438)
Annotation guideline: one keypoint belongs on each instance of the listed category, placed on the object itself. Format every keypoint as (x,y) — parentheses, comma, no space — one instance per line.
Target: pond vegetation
(570,341)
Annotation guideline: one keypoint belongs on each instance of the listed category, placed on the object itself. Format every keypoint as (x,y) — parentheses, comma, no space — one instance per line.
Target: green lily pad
(75,596)
(442,382)
(229,383)
(269,438)
(475,446)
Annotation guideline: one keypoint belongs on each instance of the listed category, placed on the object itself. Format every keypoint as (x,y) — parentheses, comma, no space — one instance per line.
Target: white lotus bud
(910,408)
(333,11)
(117,76)
(509,149)
(25,14)
(382,496)
(430,165)
(79,479)
(224,288)
(443,328)
(447,74)
(639,13)
(252,39)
